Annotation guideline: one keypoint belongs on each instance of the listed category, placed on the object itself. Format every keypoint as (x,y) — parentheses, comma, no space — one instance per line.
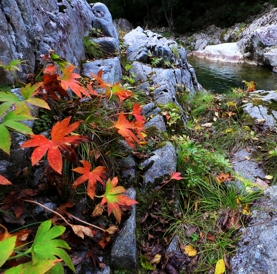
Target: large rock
(161,163)
(226,52)
(124,252)
(30,28)
(147,46)
(257,253)
(262,107)
(259,40)
(111,68)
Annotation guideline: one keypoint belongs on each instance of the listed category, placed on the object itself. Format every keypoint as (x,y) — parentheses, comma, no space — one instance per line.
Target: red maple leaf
(51,85)
(68,80)
(137,110)
(114,198)
(59,143)
(127,128)
(175,176)
(97,174)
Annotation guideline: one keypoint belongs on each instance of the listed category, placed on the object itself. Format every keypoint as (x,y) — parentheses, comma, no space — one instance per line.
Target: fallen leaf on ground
(81,231)
(4,181)
(190,251)
(220,267)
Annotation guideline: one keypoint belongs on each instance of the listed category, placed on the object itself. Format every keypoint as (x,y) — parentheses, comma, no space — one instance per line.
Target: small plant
(157,61)
(12,67)
(46,251)
(92,49)
(176,52)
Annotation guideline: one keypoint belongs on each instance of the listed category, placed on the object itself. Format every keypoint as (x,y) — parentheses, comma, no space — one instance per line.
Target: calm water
(221,77)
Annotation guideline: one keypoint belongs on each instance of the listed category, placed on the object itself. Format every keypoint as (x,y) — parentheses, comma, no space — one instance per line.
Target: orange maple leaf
(50,69)
(114,198)
(224,177)
(59,143)
(125,128)
(97,174)
(102,83)
(137,110)
(4,181)
(121,92)
(68,80)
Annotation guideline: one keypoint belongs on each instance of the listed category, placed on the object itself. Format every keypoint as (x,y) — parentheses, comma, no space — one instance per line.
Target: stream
(220,77)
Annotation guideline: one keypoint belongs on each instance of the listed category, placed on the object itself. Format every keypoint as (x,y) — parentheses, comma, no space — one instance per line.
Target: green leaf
(4,107)
(8,97)
(146,264)
(6,249)
(14,64)
(11,120)
(38,102)
(13,115)
(19,127)
(45,245)
(39,268)
(5,142)
(29,90)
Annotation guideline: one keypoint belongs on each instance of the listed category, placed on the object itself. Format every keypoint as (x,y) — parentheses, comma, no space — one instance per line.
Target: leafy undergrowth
(211,201)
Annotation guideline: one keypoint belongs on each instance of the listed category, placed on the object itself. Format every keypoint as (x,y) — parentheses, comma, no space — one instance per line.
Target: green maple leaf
(21,106)
(46,247)
(39,268)
(114,198)
(12,121)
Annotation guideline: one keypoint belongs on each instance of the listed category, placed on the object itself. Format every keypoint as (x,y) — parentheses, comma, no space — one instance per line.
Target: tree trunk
(168,13)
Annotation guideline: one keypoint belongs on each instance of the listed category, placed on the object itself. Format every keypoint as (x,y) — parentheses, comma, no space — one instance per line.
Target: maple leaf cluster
(62,142)
(132,131)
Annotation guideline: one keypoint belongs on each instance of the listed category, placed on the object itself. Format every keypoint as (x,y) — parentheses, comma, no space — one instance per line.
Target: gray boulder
(259,40)
(261,107)
(124,252)
(112,72)
(104,22)
(161,163)
(144,46)
(257,253)
(30,28)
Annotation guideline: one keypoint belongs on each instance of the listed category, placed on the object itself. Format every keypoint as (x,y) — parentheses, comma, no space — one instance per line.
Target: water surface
(221,77)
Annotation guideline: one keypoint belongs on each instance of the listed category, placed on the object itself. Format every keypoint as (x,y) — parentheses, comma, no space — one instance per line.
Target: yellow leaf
(233,104)
(190,251)
(156,259)
(220,267)
(229,130)
(246,210)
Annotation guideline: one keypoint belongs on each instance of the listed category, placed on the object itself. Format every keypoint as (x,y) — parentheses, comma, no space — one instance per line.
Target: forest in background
(182,16)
